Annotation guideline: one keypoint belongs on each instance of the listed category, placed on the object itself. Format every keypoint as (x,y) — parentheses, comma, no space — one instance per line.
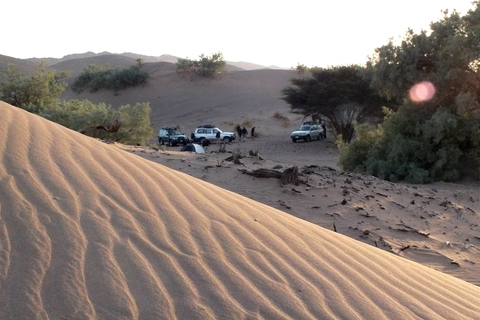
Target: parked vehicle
(171,136)
(307,132)
(210,132)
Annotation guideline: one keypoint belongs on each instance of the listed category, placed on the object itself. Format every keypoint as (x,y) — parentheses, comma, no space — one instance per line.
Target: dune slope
(88,231)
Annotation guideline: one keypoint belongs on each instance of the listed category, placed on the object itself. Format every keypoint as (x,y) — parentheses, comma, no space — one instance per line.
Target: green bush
(95,78)
(135,119)
(77,115)
(41,88)
(206,66)
(99,121)
(352,156)
(410,146)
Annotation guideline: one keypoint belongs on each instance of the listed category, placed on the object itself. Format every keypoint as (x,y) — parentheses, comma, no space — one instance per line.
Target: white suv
(210,132)
(307,132)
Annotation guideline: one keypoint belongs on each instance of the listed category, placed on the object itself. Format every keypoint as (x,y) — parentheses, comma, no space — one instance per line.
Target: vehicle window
(208,131)
(201,131)
(304,128)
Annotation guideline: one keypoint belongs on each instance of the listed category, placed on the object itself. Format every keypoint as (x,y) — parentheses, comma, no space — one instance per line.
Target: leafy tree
(206,66)
(40,88)
(342,95)
(437,138)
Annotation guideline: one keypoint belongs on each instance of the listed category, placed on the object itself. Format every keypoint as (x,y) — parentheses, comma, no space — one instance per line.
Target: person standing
(239,132)
(324,127)
(244,133)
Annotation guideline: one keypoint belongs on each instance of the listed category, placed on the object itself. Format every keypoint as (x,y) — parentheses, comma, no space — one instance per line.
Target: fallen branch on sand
(287,176)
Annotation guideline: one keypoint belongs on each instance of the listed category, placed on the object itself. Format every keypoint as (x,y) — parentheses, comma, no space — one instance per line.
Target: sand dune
(88,231)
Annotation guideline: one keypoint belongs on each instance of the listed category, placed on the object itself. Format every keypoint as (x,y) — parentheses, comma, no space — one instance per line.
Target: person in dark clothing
(239,131)
(244,133)
(252,132)
(324,127)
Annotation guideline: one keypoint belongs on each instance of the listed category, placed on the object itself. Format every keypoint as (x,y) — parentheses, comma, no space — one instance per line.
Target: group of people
(243,132)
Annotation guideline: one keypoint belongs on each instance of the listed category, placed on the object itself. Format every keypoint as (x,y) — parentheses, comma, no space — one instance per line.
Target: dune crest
(88,231)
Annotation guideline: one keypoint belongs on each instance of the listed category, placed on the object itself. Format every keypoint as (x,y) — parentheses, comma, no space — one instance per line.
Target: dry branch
(114,127)
(288,176)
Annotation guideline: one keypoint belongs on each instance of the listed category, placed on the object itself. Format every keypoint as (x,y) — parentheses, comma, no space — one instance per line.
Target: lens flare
(422,91)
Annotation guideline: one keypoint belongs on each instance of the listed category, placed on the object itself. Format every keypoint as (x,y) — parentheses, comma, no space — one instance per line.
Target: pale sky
(281,33)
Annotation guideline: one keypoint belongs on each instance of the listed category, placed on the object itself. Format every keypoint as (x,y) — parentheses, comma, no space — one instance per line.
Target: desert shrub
(95,78)
(135,119)
(352,156)
(99,120)
(43,88)
(412,147)
(206,66)
(77,115)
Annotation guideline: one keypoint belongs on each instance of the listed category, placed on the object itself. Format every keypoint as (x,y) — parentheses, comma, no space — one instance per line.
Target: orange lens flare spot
(422,91)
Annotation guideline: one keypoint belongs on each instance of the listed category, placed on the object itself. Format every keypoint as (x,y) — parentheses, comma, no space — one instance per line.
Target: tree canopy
(41,88)
(438,137)
(342,95)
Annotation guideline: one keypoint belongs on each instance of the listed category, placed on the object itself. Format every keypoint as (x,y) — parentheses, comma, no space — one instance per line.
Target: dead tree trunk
(288,176)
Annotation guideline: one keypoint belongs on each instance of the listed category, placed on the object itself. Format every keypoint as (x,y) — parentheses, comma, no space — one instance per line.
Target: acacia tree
(446,128)
(342,95)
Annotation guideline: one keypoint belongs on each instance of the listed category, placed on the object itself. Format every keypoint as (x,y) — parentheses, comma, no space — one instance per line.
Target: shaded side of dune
(88,231)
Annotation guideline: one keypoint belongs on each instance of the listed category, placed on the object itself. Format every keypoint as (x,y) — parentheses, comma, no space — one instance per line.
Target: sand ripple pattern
(88,231)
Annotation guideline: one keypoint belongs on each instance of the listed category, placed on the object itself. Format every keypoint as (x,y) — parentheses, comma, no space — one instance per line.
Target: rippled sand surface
(88,231)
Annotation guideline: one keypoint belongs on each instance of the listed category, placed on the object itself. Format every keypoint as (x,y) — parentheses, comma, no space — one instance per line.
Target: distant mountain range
(163,58)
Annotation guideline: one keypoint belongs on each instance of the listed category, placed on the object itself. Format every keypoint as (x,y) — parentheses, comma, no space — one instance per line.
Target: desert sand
(91,231)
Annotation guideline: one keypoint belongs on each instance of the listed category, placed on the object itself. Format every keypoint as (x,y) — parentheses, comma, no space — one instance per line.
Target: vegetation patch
(95,78)
(39,93)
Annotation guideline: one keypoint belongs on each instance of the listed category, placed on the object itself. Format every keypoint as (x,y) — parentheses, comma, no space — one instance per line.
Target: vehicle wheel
(318,137)
(308,139)
(201,141)
(294,140)
(227,140)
